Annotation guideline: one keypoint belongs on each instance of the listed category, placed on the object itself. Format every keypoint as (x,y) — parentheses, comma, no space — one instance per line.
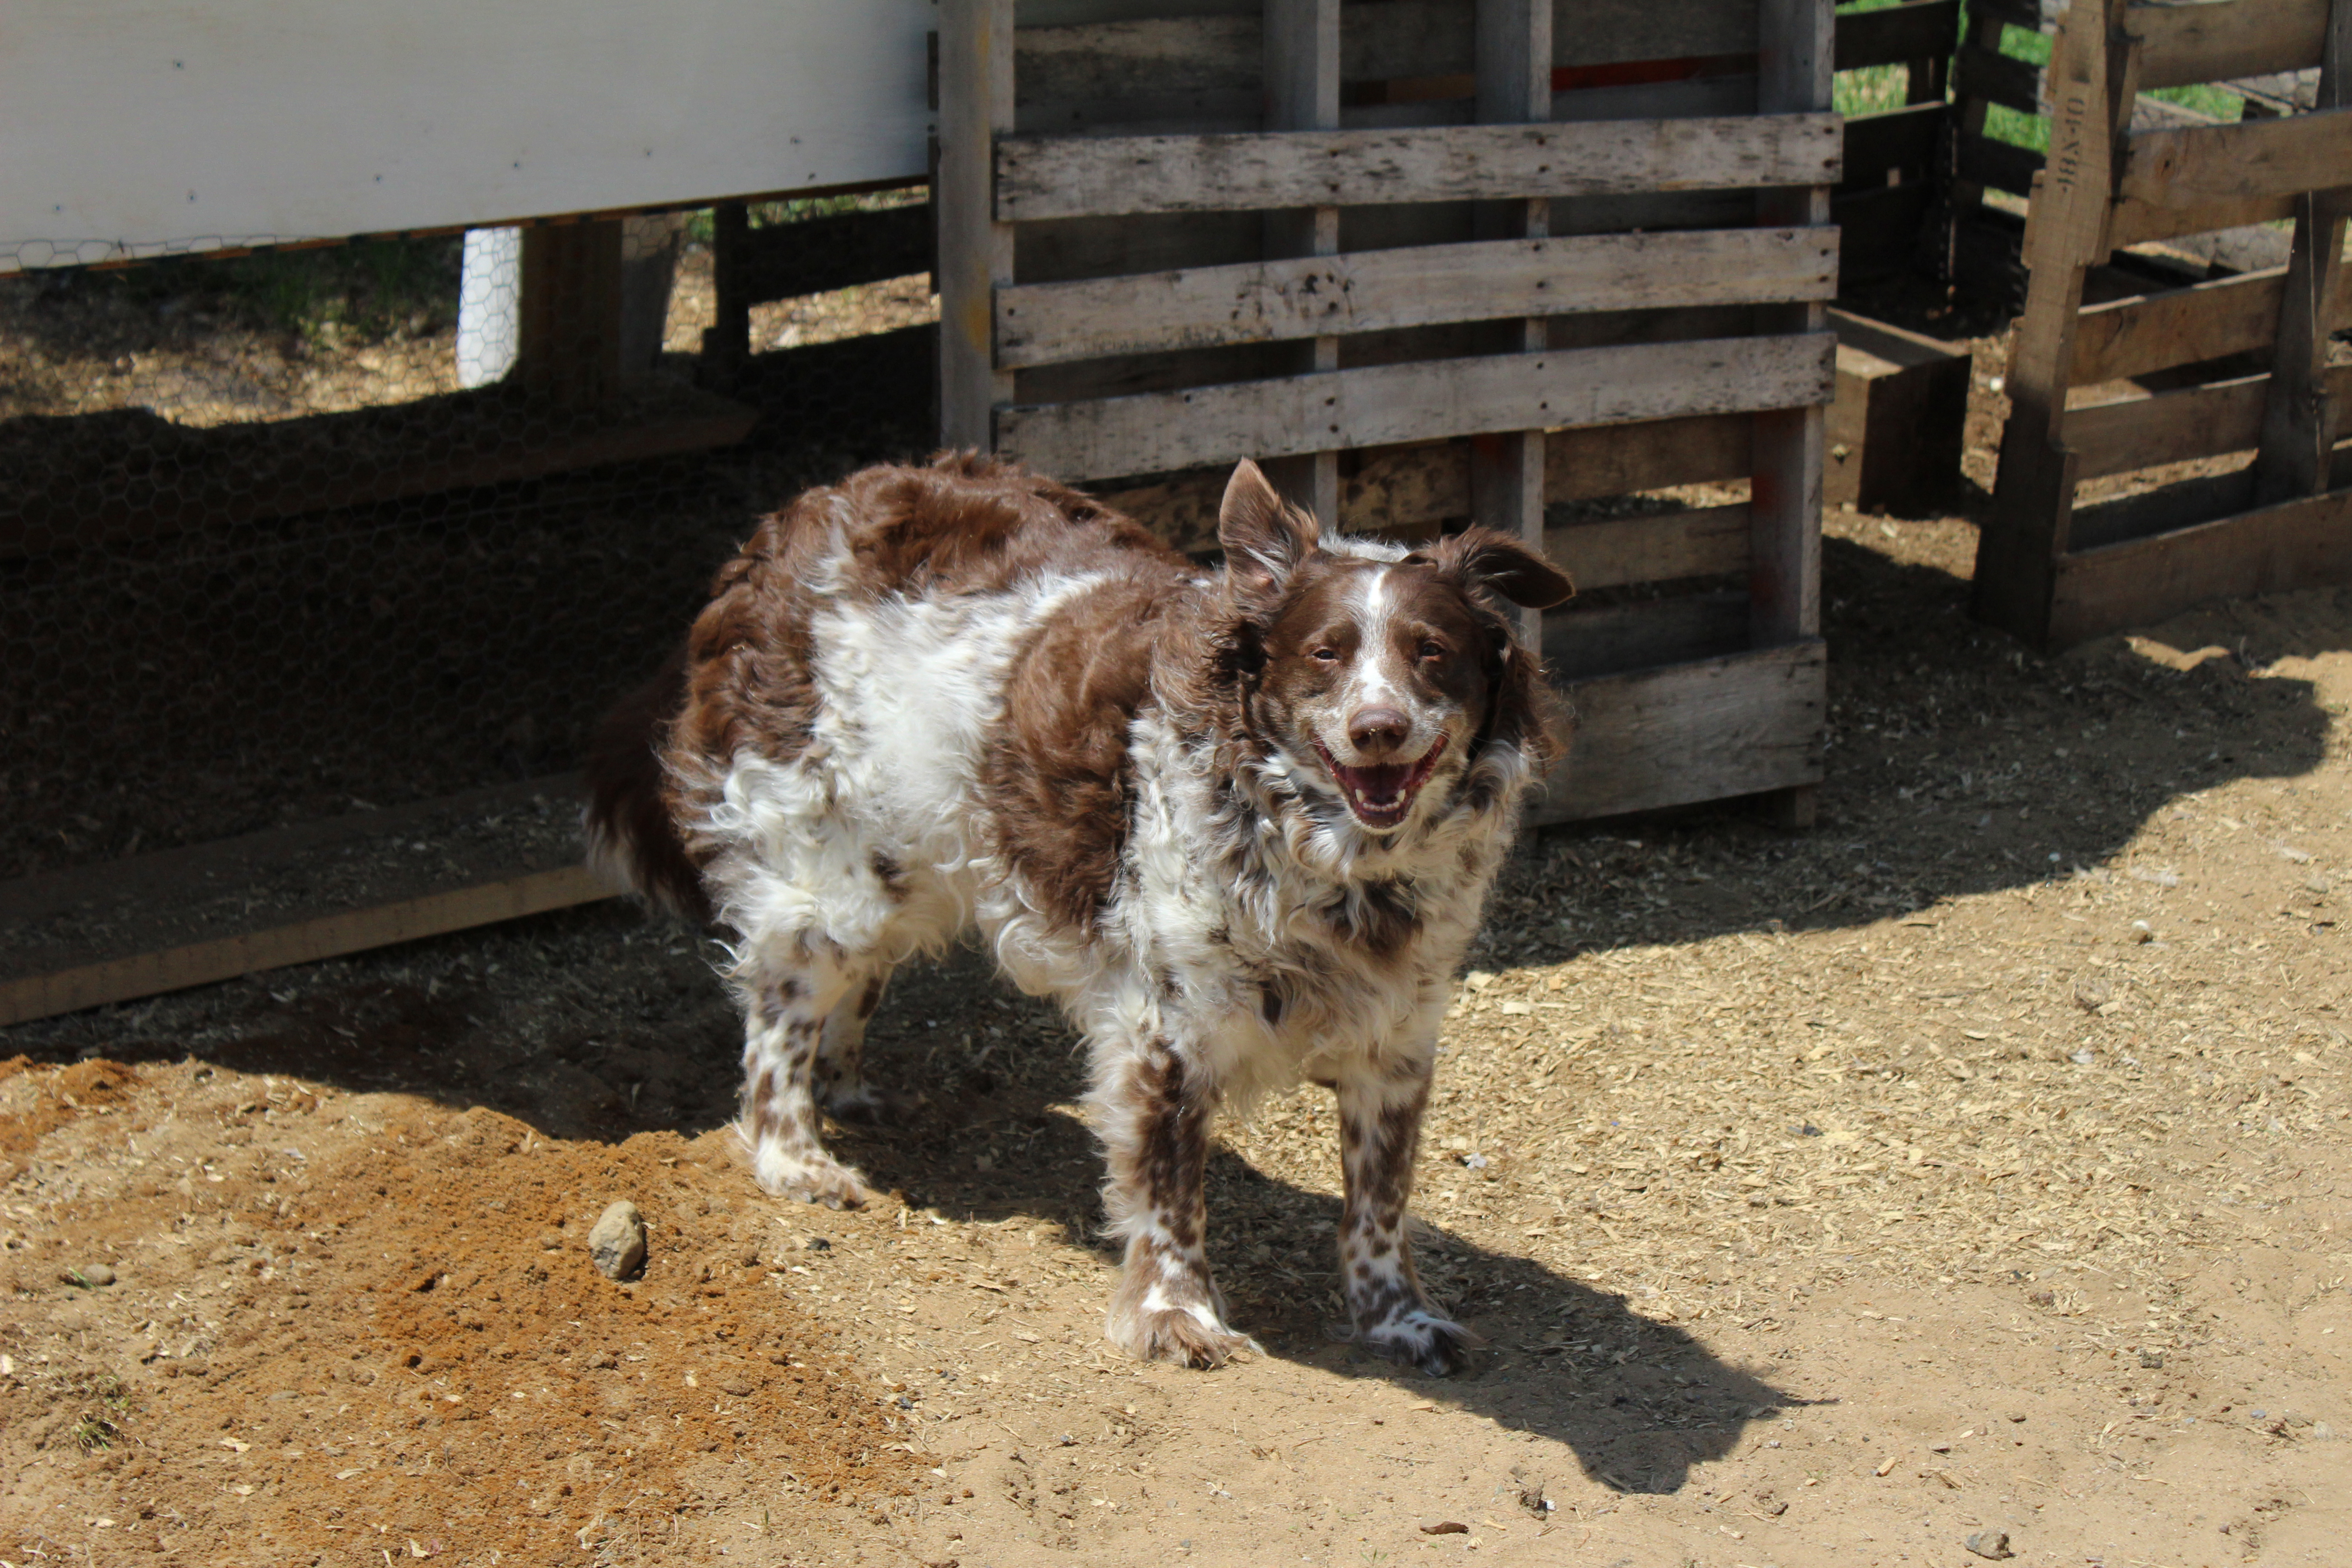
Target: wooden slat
(1382,290)
(2298,424)
(2184,44)
(1659,547)
(2176,426)
(1614,460)
(1737,725)
(1387,403)
(1302,93)
(2300,543)
(2039,15)
(1912,30)
(1980,72)
(1581,642)
(2003,165)
(2124,338)
(331,936)
(1904,139)
(2251,161)
(1109,175)
(2138,222)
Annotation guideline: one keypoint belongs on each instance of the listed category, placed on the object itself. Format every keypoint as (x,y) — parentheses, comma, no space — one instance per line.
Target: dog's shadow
(1639,1401)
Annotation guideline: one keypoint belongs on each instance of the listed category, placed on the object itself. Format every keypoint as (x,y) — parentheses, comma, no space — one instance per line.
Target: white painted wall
(154,127)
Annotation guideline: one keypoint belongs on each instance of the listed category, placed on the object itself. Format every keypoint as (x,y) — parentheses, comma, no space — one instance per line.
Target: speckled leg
(1153,1116)
(840,1079)
(1379,1130)
(786,1001)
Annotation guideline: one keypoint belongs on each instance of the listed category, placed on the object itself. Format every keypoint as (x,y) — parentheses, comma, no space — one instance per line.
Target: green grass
(1878,89)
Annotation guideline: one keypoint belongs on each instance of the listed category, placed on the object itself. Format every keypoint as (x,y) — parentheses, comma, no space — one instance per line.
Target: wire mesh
(295,534)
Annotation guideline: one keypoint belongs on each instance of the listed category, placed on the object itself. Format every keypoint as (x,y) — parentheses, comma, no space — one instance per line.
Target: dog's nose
(1378,728)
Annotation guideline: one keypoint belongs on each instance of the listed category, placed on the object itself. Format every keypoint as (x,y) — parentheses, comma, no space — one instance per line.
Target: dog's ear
(1263,536)
(1502,565)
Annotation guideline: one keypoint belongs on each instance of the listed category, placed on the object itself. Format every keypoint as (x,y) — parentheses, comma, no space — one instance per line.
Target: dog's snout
(1375,730)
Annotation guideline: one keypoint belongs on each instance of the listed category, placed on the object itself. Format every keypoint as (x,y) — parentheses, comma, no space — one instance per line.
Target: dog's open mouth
(1381,795)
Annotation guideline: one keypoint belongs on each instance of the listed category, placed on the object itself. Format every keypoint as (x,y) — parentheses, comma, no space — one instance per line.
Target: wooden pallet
(2054,575)
(164,922)
(1893,159)
(1436,262)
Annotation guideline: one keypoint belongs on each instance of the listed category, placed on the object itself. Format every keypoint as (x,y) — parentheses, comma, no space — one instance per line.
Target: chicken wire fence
(294,533)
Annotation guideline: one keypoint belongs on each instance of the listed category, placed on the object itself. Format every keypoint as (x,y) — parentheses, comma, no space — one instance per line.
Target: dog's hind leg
(841,1086)
(1380,1107)
(790,989)
(1153,1111)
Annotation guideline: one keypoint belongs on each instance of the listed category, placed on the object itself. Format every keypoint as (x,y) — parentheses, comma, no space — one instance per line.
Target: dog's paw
(1438,1346)
(1189,1336)
(819,1181)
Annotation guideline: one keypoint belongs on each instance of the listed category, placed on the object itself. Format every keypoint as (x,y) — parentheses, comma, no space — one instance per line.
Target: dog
(1240,822)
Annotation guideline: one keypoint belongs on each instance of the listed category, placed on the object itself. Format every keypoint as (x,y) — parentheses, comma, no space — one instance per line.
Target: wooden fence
(1440,261)
(2054,575)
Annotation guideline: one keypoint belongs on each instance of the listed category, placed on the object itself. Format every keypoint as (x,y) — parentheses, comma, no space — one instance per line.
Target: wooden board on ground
(1896,429)
(176,918)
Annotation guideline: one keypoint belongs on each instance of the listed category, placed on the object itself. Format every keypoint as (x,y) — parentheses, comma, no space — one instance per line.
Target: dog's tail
(632,838)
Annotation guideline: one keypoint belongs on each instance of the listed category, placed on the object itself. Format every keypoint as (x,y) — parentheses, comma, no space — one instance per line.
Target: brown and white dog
(1241,823)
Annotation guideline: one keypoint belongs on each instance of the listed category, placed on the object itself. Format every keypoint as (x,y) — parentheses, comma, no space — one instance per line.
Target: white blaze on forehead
(1377,679)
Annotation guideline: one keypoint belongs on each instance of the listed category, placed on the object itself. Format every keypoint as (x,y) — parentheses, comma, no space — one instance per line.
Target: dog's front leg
(1153,1110)
(1380,1106)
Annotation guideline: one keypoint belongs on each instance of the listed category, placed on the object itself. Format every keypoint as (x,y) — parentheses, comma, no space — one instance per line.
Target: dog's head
(1380,675)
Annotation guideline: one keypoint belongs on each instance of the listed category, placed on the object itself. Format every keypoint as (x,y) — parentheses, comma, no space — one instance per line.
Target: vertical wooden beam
(727,342)
(2298,424)
(975,251)
(1796,73)
(2092,76)
(1302,93)
(1507,471)
(1964,199)
(568,337)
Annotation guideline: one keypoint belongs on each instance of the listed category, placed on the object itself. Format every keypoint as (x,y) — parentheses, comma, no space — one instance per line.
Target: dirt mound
(380,1326)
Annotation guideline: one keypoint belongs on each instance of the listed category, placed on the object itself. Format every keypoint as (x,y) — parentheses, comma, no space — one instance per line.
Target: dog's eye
(1328,655)
(1432,650)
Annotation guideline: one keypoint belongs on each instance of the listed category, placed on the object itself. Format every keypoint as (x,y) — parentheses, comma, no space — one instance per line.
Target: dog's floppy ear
(1265,537)
(1501,565)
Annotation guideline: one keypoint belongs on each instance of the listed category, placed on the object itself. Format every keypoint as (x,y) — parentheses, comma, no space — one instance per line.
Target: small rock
(617,1244)
(819,1244)
(1993,1543)
(90,1274)
(1450,1527)
(2042,1297)
(2151,1359)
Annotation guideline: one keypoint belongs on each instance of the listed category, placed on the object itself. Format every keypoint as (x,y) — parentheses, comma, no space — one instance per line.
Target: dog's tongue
(1381,787)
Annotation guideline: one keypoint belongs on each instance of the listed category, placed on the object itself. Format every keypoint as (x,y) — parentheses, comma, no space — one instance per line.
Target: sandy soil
(1974,1164)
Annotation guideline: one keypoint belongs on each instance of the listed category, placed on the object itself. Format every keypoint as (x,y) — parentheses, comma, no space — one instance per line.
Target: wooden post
(2298,423)
(975,251)
(568,341)
(1507,471)
(727,342)
(2093,81)
(1963,199)
(1302,93)
(1795,73)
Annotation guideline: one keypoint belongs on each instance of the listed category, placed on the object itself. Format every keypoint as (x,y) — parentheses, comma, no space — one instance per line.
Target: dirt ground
(1972,1167)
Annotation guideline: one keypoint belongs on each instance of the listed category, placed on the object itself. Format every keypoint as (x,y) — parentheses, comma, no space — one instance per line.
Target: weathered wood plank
(1302,93)
(1911,30)
(1110,175)
(1656,547)
(1583,642)
(1388,404)
(1381,290)
(2003,165)
(1980,72)
(2301,544)
(2131,337)
(2298,424)
(2176,426)
(331,936)
(1598,462)
(1714,728)
(975,251)
(2251,160)
(2184,44)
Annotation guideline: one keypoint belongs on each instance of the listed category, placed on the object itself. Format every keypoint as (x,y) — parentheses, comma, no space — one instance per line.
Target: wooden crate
(1435,261)
(2054,575)
(1896,429)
